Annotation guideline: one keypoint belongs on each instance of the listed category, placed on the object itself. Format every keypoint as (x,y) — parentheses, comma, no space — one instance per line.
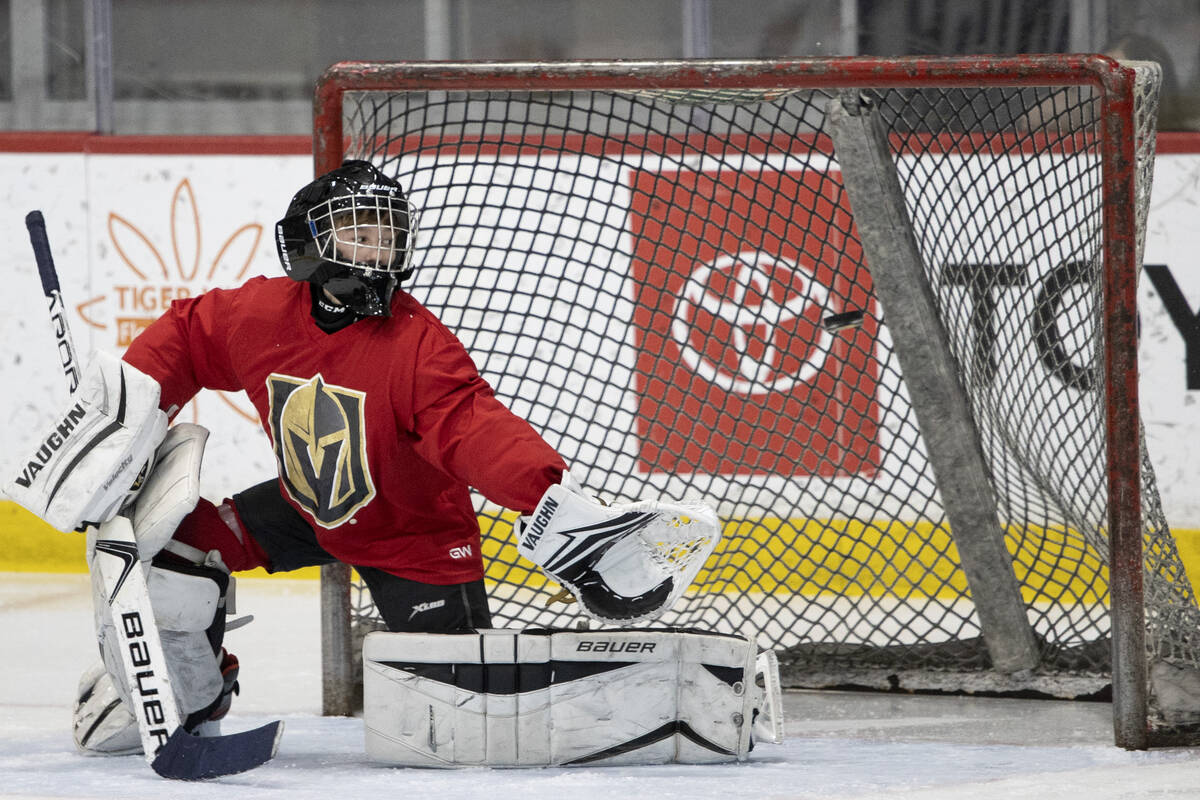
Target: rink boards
(802,557)
(120,269)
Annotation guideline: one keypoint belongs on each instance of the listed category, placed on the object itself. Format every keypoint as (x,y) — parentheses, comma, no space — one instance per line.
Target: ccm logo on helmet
(614,647)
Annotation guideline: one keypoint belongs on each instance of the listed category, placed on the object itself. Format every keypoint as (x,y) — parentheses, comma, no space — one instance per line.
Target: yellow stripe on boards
(29,545)
(852,558)
(797,556)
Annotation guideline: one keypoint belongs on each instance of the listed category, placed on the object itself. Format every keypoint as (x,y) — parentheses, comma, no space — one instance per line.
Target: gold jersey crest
(319,437)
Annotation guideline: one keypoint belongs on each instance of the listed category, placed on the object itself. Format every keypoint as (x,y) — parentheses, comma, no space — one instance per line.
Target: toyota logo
(750,323)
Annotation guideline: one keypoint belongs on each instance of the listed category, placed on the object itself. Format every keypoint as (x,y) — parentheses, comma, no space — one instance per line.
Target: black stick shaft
(36,225)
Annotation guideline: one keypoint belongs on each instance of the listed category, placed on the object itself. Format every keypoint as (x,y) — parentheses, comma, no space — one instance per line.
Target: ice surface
(840,745)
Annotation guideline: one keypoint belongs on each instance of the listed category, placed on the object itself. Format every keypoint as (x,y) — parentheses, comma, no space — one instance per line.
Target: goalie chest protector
(555,697)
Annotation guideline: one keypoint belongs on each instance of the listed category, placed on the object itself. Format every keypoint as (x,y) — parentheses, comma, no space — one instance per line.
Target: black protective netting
(643,276)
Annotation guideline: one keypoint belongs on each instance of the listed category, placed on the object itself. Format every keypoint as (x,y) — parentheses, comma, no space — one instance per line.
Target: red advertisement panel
(734,272)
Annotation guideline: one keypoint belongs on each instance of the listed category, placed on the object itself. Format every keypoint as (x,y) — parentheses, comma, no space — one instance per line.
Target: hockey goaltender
(379,423)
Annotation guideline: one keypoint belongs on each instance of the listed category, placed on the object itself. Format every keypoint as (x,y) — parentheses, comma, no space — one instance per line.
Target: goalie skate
(768,717)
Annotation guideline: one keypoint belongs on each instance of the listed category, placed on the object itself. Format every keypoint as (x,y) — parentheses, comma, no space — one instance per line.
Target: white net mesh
(643,276)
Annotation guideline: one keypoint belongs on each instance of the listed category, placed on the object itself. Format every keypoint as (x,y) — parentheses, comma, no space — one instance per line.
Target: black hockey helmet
(350,232)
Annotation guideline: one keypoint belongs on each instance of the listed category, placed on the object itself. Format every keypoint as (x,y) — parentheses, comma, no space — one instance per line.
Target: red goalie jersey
(378,429)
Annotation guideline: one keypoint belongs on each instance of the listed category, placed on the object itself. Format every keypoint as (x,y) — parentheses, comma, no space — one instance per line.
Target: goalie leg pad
(190,593)
(171,490)
(85,465)
(543,698)
(189,605)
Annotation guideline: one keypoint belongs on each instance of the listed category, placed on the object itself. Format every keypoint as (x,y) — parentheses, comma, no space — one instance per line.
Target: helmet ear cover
(296,247)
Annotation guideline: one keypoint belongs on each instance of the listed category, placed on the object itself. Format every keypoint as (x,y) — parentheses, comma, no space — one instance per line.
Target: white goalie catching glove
(85,465)
(624,563)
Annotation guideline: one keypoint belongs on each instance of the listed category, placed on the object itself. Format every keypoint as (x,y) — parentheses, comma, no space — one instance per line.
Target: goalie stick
(36,225)
(171,751)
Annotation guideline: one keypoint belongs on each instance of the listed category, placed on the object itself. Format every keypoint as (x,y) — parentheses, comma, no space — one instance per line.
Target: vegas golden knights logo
(320,446)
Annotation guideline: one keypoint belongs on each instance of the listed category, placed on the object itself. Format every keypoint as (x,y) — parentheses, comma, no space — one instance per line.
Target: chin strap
(329,316)
(366,294)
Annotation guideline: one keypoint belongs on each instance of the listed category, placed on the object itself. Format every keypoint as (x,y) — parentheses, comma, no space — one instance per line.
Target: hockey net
(643,259)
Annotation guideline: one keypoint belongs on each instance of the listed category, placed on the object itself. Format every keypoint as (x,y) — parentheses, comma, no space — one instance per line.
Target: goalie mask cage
(951,493)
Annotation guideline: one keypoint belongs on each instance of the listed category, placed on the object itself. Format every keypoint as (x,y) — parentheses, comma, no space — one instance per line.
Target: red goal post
(423,118)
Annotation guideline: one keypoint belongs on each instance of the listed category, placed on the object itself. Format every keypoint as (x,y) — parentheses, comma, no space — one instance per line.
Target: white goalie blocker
(536,698)
(95,450)
(626,563)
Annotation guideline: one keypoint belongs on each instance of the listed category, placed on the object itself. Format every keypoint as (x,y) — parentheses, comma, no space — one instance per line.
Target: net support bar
(337,657)
(1125,506)
(923,351)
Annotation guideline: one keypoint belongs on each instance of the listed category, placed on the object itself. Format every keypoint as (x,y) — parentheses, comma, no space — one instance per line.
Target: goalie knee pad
(542,698)
(171,490)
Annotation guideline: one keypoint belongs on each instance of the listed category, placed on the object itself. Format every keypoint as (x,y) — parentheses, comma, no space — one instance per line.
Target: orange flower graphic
(154,284)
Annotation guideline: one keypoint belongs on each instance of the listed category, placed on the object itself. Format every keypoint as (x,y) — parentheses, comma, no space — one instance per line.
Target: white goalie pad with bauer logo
(625,563)
(86,463)
(537,698)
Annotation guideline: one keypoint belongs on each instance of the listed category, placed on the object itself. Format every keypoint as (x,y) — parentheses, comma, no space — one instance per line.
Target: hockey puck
(846,319)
